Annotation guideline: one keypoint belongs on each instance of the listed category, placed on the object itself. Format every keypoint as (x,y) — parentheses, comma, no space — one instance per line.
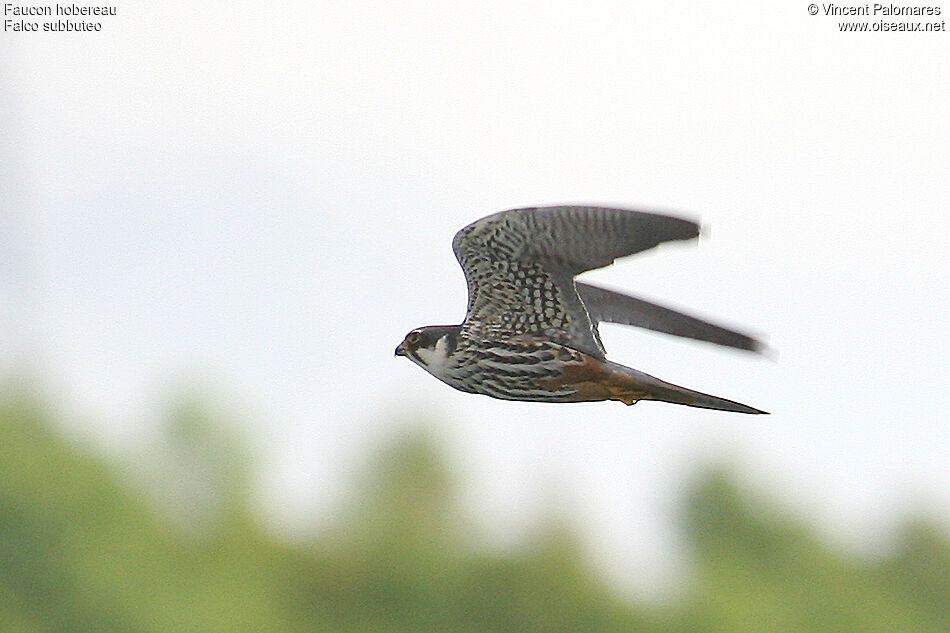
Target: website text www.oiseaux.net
(889,18)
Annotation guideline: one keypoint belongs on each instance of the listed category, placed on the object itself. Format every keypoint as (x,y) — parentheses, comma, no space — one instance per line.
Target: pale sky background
(261,197)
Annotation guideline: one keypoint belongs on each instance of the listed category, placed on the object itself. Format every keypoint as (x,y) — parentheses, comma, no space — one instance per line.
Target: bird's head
(430,346)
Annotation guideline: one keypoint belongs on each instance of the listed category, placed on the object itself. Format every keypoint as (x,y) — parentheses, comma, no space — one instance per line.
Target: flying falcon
(531,330)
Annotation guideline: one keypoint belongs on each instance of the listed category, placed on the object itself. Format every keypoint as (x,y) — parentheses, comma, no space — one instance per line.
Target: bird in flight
(530,332)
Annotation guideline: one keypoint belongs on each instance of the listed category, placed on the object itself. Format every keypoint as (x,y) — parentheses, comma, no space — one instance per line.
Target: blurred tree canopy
(83,549)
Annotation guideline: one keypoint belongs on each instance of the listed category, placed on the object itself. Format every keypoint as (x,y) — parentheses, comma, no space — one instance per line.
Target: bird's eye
(413,338)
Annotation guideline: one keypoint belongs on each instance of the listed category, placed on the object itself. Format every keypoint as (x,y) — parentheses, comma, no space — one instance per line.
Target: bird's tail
(629,385)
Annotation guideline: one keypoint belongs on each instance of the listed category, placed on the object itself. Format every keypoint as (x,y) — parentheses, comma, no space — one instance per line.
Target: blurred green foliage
(83,549)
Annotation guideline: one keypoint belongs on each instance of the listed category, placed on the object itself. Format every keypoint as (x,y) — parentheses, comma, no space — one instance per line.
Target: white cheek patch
(434,360)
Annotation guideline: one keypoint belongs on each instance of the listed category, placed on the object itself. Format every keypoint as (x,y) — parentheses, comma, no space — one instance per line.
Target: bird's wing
(520,267)
(614,307)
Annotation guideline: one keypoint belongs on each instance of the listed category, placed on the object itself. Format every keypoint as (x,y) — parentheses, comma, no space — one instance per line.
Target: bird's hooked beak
(401,350)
